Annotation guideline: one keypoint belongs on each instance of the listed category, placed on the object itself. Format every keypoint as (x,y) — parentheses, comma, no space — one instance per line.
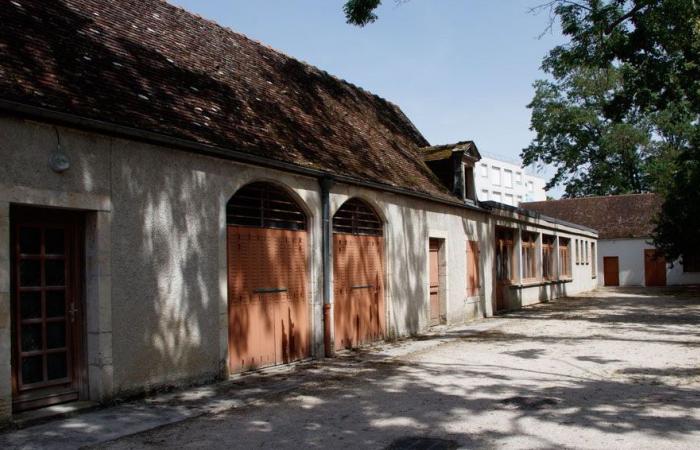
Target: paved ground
(607,369)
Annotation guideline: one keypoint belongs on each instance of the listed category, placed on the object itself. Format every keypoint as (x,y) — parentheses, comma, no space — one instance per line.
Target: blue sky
(460,69)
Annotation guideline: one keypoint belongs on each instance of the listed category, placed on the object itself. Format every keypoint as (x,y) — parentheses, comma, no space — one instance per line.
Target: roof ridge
(588,197)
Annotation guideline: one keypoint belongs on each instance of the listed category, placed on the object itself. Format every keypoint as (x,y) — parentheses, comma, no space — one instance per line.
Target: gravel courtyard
(610,369)
(607,369)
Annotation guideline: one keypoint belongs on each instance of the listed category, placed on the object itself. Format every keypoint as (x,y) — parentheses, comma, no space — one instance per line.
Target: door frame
(617,263)
(441,240)
(656,253)
(79,390)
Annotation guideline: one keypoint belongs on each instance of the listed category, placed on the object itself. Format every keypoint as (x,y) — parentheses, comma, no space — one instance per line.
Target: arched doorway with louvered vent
(358,275)
(268,298)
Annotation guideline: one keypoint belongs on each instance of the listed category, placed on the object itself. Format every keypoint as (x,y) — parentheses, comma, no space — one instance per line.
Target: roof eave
(108,128)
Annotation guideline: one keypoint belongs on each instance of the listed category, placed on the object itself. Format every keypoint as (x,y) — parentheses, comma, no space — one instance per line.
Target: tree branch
(637,8)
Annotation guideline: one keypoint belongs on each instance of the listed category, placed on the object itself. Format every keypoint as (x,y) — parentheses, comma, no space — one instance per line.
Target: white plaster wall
(157,250)
(409,224)
(630,253)
(631,260)
(676,276)
(524,293)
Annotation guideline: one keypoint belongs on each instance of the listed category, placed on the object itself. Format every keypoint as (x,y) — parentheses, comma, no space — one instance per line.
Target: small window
(548,272)
(484,170)
(508,178)
(505,263)
(264,205)
(497,197)
(473,284)
(585,247)
(593,260)
(529,261)
(518,178)
(357,217)
(469,182)
(496,176)
(485,194)
(564,258)
(530,186)
(577,253)
(509,199)
(520,199)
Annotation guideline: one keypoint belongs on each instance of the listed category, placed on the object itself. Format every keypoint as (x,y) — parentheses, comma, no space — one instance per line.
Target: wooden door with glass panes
(46,307)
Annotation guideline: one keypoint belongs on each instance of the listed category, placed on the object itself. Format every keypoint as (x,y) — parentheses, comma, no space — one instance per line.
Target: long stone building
(179,203)
(626,255)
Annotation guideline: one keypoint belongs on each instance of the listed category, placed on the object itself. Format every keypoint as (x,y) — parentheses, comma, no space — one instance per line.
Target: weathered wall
(169,259)
(156,263)
(528,292)
(409,224)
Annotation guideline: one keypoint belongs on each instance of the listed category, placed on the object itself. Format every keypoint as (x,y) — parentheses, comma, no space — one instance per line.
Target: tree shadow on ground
(352,403)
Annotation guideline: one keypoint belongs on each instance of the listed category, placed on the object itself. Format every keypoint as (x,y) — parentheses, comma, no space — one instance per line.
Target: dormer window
(454,165)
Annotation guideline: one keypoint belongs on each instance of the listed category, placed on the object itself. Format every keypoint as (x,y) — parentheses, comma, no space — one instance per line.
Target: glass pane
(56,334)
(32,369)
(54,242)
(55,303)
(55,272)
(57,366)
(29,273)
(30,305)
(30,241)
(31,337)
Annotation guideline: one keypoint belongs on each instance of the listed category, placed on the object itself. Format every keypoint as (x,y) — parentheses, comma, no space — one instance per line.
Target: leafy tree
(593,154)
(360,12)
(655,46)
(641,131)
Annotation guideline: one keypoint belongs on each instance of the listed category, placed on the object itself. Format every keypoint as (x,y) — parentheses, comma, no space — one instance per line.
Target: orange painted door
(654,268)
(611,271)
(434,281)
(268,303)
(358,280)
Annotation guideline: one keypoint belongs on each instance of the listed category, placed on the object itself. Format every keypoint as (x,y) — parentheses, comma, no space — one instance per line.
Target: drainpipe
(326,183)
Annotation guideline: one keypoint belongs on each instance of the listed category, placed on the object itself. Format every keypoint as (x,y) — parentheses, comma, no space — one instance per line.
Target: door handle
(72,310)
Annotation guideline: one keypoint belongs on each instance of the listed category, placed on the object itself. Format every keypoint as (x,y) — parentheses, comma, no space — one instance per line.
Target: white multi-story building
(507,182)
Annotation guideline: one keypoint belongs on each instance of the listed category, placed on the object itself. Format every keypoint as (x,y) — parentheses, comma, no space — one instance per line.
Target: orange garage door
(267,278)
(358,275)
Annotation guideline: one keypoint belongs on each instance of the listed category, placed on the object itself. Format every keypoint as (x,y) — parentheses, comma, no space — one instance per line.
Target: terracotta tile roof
(155,67)
(614,216)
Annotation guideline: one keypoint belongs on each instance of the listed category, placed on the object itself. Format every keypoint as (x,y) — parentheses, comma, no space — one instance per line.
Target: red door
(611,271)
(358,294)
(268,308)
(434,277)
(654,268)
(505,265)
(46,307)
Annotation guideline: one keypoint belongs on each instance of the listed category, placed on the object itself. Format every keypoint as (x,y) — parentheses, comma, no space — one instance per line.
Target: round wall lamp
(58,160)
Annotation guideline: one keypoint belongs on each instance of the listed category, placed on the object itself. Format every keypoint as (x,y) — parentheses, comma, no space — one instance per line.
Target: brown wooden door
(654,268)
(46,307)
(504,266)
(611,271)
(268,303)
(358,289)
(434,284)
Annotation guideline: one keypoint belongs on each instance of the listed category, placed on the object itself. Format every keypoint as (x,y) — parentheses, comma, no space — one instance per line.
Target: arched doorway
(267,278)
(358,275)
